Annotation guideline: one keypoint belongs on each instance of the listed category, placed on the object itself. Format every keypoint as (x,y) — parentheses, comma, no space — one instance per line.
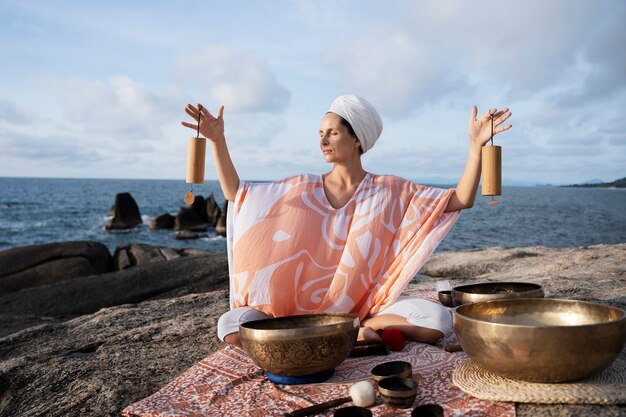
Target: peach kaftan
(290,252)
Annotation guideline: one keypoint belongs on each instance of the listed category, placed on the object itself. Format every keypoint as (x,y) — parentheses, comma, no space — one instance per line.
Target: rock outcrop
(126,213)
(162,221)
(190,222)
(136,254)
(31,266)
(97,364)
(104,360)
(198,217)
(220,226)
(188,219)
(84,295)
(213,212)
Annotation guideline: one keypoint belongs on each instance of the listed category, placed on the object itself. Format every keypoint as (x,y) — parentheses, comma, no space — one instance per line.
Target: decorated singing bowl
(541,340)
(486,291)
(300,345)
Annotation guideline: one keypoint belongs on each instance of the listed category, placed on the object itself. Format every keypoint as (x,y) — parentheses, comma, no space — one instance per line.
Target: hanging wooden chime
(196,151)
(492,169)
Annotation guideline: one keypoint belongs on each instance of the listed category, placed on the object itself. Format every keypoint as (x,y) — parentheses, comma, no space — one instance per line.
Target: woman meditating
(345,241)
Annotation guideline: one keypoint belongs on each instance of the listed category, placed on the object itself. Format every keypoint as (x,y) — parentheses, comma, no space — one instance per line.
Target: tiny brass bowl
(352,411)
(486,291)
(445,298)
(541,339)
(401,369)
(300,345)
(427,410)
(397,392)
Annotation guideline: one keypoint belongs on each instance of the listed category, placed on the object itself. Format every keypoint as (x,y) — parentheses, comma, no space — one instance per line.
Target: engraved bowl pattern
(300,345)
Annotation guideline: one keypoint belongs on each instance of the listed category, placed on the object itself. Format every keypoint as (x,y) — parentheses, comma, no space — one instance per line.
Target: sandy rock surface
(594,273)
(100,362)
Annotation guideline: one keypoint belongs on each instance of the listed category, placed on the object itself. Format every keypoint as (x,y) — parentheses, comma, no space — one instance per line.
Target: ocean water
(35,210)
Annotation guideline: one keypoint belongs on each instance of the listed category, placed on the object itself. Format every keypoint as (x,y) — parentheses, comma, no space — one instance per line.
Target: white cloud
(557,64)
(9,112)
(241,81)
(606,73)
(118,106)
(442,50)
(115,127)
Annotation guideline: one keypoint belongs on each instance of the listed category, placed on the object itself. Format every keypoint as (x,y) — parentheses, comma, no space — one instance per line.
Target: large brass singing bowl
(300,345)
(541,340)
(486,291)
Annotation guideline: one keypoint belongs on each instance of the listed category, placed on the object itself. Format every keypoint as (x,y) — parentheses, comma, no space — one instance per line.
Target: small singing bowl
(541,339)
(445,298)
(487,291)
(427,410)
(352,411)
(400,369)
(300,345)
(397,392)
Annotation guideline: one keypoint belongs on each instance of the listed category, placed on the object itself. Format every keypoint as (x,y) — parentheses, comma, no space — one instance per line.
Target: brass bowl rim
(407,369)
(461,288)
(247,329)
(538,300)
(445,298)
(395,393)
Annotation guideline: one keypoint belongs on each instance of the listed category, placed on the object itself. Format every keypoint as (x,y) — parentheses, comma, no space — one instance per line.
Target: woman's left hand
(480,129)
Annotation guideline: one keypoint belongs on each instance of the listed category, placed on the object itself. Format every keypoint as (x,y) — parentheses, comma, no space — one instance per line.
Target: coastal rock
(191,252)
(127,256)
(169,254)
(594,273)
(213,211)
(589,273)
(188,219)
(162,221)
(189,235)
(199,207)
(85,295)
(34,265)
(125,213)
(121,260)
(220,226)
(99,363)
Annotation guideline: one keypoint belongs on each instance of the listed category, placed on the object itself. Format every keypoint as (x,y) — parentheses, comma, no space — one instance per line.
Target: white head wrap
(362,116)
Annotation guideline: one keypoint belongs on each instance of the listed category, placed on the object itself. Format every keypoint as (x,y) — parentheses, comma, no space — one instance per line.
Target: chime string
(200,115)
(493,200)
(492,130)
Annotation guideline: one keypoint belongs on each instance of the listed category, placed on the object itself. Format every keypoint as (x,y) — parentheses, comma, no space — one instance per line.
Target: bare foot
(368,334)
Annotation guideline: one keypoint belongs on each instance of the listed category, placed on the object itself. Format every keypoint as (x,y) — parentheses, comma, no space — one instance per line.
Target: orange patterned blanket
(228,383)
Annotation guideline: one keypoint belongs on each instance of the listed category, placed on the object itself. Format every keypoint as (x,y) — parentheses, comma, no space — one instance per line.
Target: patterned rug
(228,383)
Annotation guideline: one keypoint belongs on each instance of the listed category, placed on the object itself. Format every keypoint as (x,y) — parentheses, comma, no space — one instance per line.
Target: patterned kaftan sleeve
(419,227)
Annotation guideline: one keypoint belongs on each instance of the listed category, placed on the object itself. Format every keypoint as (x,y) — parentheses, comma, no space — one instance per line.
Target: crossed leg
(418,319)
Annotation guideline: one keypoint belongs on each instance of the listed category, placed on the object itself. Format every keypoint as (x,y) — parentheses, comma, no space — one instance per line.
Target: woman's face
(336,142)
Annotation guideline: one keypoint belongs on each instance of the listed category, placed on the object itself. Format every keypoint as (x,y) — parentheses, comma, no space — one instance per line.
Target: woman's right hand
(211,127)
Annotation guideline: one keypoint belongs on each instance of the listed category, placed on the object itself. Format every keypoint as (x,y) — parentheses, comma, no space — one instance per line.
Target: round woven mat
(608,387)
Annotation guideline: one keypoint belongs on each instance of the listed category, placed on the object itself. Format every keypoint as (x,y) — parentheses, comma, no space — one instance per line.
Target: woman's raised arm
(212,128)
(479,133)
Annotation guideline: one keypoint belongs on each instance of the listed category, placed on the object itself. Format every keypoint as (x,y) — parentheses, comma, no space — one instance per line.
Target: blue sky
(97,89)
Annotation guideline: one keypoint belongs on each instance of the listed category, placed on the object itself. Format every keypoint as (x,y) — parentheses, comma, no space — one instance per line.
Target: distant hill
(621,183)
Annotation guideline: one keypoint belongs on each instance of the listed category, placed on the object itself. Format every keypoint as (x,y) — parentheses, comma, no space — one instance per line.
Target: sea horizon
(425,181)
(44,210)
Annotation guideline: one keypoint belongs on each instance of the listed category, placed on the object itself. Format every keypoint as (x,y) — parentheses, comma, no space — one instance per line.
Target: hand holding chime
(492,169)
(196,151)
